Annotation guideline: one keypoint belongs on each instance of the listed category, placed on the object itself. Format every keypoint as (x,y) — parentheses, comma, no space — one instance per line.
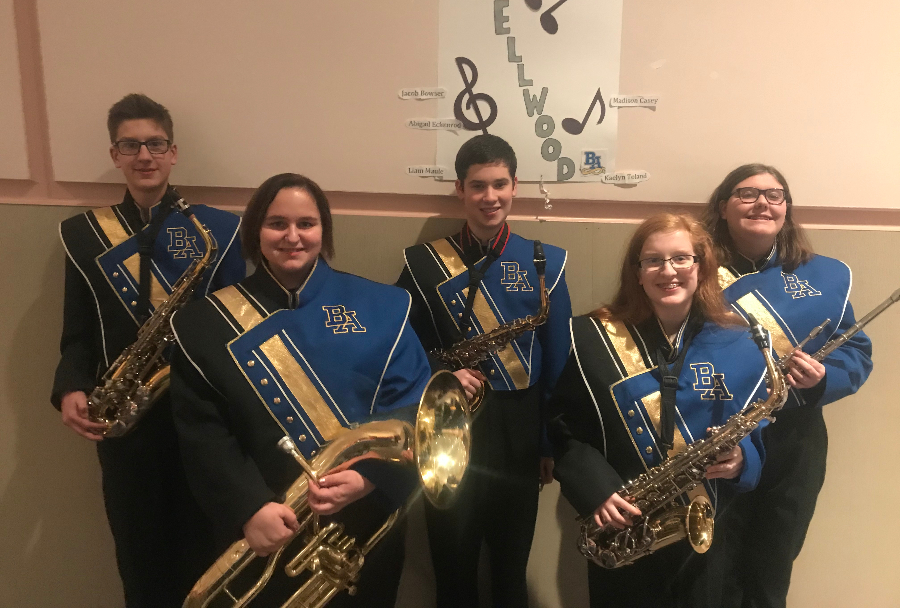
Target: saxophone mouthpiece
(178,202)
(758,334)
(540,260)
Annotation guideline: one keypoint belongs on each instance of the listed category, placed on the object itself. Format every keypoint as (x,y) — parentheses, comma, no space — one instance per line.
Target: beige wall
(57,550)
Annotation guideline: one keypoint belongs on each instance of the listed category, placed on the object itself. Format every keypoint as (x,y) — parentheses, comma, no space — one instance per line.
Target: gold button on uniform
(640,431)
(452,302)
(276,401)
(290,419)
(133,303)
(251,363)
(631,413)
(460,315)
(115,275)
(649,449)
(124,290)
(264,382)
(492,372)
(303,438)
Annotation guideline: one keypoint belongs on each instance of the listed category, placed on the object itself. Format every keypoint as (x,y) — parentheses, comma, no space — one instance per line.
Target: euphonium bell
(438,446)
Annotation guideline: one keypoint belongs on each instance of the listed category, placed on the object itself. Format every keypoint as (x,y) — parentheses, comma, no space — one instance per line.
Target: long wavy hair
(793,246)
(631,303)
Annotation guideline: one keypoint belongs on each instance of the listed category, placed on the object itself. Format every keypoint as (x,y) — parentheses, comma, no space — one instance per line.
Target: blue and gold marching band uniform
(606,430)
(260,362)
(498,500)
(148,505)
(767,527)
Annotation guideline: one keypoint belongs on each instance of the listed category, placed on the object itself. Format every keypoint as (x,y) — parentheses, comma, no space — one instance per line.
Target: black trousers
(764,530)
(673,577)
(497,505)
(163,541)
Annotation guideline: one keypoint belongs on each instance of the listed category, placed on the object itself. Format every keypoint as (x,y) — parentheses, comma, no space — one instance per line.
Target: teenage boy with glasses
(162,541)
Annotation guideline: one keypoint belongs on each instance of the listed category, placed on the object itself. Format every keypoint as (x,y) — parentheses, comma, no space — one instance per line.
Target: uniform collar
(742,265)
(473,250)
(273,296)
(134,214)
(655,337)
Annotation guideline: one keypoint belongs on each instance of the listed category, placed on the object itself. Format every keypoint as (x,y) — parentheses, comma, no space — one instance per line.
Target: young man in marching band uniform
(295,350)
(769,270)
(161,538)
(463,286)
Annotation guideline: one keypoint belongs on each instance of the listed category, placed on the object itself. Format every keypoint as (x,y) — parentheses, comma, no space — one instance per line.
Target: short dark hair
(484,150)
(255,214)
(793,246)
(136,106)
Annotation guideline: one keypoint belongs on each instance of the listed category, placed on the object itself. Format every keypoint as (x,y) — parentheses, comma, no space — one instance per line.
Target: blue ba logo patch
(592,162)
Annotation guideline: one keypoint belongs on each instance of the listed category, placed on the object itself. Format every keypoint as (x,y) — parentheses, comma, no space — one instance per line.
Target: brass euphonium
(140,375)
(664,520)
(467,354)
(438,447)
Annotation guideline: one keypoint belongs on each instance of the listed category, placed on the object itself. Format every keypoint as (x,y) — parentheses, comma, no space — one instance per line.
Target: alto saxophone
(140,375)
(466,354)
(438,446)
(663,519)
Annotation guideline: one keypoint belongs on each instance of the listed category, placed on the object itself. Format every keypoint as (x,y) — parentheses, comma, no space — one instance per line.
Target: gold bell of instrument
(438,446)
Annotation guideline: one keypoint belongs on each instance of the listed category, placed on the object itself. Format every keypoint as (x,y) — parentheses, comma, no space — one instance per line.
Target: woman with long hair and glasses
(615,416)
(768,269)
(295,350)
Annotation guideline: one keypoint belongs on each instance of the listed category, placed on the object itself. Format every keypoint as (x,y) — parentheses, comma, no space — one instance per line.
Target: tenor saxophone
(331,560)
(466,354)
(140,375)
(664,520)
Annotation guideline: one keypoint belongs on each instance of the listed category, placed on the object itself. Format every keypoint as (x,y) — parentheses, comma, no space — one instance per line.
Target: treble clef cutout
(473,99)
(548,21)
(573,127)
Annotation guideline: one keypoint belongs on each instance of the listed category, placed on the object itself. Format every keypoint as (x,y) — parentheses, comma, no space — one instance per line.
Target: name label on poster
(625,177)
(435,124)
(633,101)
(427,93)
(426,170)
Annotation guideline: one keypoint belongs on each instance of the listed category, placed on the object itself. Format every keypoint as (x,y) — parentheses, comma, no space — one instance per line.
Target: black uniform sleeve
(420,319)
(80,345)
(575,429)
(225,480)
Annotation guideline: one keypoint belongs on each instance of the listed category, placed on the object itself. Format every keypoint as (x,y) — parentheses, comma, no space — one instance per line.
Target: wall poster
(539,74)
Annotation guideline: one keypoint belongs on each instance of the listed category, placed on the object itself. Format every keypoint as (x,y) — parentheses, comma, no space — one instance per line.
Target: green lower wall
(58,550)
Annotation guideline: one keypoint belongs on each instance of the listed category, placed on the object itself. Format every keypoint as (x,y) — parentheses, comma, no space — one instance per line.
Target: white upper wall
(13,154)
(260,88)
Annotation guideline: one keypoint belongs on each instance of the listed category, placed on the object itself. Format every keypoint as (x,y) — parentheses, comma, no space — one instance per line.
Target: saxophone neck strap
(146,240)
(497,245)
(668,387)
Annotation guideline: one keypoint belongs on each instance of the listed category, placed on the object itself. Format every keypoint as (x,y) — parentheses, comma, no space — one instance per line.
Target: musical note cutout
(573,127)
(548,21)
(473,99)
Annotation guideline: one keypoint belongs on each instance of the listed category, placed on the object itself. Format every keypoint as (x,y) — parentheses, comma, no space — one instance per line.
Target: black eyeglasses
(678,262)
(131,147)
(774,196)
